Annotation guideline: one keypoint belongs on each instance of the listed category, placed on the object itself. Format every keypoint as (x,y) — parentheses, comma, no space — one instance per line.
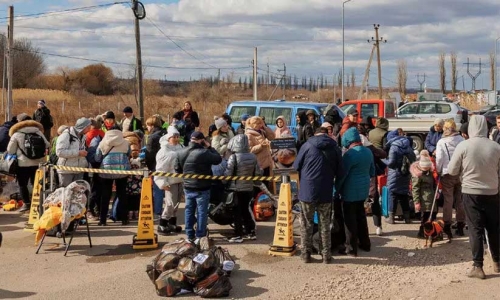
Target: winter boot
(406,217)
(420,233)
(25,207)
(460,229)
(476,272)
(173,225)
(164,228)
(306,257)
(390,219)
(447,231)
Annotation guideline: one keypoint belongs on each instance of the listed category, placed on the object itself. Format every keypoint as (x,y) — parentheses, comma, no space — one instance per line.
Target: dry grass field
(67,107)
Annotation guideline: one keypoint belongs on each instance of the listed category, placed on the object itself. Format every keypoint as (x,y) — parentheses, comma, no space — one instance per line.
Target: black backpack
(34,145)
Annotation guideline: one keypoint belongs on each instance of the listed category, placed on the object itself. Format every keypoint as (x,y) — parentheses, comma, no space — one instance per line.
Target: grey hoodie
(477,160)
(241,163)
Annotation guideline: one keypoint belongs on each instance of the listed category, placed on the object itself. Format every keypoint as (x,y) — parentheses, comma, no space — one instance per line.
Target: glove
(224,141)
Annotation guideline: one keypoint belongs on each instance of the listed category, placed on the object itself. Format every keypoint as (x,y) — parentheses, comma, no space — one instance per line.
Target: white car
(432,110)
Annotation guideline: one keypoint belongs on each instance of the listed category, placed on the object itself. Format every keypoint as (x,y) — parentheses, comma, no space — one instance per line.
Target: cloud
(306,35)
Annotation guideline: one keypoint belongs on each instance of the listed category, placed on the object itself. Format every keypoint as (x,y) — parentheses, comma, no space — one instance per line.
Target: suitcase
(385,201)
(381,182)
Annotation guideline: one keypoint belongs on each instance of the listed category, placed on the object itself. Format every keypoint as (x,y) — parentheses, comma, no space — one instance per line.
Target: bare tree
(402,77)
(454,72)
(442,72)
(353,78)
(492,70)
(339,78)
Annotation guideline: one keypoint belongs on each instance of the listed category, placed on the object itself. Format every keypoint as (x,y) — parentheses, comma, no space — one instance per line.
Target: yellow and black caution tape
(100,171)
(164,174)
(211,177)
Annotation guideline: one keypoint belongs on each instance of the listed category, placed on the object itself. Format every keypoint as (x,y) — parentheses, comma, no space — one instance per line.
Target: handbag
(230,198)
(9,165)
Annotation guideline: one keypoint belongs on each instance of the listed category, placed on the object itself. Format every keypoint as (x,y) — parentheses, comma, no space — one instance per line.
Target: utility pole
(268,78)
(218,77)
(255,74)
(283,81)
(421,82)
(367,72)
(377,41)
(10,62)
(140,13)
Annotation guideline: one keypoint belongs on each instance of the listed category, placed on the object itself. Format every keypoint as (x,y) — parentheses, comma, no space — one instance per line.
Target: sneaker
(378,231)
(476,272)
(25,207)
(236,239)
(251,236)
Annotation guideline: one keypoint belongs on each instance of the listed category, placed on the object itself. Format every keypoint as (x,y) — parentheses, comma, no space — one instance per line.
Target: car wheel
(418,144)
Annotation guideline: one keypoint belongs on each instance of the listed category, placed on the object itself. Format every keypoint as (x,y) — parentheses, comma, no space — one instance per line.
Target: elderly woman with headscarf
(434,136)
(451,185)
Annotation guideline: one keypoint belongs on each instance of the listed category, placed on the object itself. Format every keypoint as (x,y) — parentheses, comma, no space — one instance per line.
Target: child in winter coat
(423,188)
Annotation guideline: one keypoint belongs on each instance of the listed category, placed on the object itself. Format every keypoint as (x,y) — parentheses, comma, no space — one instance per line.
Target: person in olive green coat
(423,188)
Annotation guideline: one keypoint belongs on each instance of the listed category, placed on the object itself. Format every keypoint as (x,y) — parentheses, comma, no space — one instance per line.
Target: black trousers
(95,193)
(482,212)
(375,197)
(403,200)
(24,176)
(121,194)
(243,216)
(356,227)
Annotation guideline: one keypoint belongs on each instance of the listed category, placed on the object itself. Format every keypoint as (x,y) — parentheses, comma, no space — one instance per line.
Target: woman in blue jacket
(354,188)
(398,180)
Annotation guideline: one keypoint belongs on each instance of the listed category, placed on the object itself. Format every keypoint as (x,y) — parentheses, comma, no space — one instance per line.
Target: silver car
(432,110)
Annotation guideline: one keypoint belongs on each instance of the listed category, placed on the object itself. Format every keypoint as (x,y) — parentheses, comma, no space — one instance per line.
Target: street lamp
(495,68)
(343,50)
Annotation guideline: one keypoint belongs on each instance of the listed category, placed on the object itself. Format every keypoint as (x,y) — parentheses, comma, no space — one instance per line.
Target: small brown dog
(433,231)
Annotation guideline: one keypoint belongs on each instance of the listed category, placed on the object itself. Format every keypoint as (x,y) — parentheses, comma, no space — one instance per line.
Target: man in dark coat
(434,136)
(42,116)
(130,123)
(4,133)
(378,135)
(197,158)
(319,162)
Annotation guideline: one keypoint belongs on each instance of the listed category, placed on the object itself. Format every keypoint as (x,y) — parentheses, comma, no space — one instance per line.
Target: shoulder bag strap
(449,158)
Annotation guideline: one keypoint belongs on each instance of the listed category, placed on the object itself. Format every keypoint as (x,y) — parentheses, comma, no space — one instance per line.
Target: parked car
(431,110)
(375,108)
(491,117)
(272,109)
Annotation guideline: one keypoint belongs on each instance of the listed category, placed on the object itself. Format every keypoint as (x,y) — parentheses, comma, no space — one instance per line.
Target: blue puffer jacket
(358,168)
(432,139)
(113,153)
(398,183)
(4,135)
(319,162)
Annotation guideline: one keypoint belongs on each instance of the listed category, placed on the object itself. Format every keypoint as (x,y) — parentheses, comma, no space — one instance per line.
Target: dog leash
(434,201)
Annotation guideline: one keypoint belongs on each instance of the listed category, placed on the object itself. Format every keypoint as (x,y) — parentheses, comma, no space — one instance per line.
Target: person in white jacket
(71,150)
(166,160)
(451,185)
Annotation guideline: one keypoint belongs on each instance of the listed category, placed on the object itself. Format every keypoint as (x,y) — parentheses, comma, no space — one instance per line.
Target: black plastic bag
(170,283)
(180,247)
(223,260)
(198,267)
(206,243)
(214,285)
(166,261)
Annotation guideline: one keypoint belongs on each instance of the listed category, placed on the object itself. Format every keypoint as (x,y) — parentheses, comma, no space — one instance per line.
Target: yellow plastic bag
(50,218)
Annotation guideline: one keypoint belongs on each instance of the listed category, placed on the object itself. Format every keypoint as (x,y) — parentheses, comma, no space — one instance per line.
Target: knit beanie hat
(171,131)
(425,162)
(61,129)
(220,122)
(41,102)
(81,124)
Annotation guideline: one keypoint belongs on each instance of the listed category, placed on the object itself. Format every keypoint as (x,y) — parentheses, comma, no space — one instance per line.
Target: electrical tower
(421,82)
(473,77)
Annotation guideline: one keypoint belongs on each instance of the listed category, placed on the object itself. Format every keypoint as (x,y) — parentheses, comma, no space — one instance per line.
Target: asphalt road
(111,269)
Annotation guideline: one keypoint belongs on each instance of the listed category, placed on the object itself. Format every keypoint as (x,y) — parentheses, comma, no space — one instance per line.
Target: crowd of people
(338,161)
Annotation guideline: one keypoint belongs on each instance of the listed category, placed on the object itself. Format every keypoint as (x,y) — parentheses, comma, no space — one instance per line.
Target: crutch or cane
(434,201)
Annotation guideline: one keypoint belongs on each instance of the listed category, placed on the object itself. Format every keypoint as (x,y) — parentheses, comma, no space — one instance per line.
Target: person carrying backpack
(30,146)
(71,150)
(4,133)
(399,159)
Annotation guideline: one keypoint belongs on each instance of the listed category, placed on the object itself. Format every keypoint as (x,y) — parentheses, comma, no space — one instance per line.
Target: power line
(123,63)
(64,11)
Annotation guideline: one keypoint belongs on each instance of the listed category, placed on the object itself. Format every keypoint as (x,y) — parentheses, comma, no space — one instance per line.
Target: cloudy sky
(191,38)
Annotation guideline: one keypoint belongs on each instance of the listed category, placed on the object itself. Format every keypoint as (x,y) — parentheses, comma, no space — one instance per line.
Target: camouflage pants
(307,222)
